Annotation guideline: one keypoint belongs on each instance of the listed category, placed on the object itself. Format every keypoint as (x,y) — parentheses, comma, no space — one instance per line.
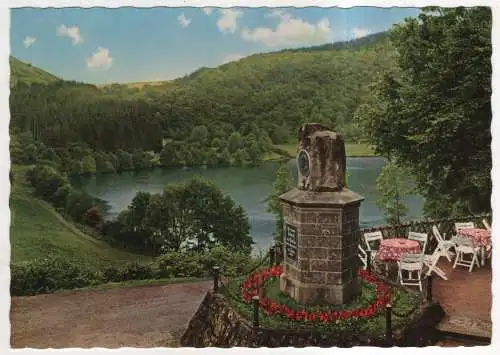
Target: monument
(321,229)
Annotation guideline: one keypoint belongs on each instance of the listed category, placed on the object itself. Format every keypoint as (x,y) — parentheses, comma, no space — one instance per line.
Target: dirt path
(146,316)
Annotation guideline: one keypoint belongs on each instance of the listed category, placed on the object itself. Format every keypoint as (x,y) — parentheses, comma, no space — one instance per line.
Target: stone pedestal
(321,238)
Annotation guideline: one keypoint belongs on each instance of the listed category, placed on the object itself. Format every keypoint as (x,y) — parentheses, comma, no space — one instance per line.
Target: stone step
(465,326)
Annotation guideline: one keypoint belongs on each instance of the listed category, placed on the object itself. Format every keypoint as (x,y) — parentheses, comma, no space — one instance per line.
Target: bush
(49,274)
(199,264)
(46,180)
(181,264)
(77,203)
(93,217)
(131,271)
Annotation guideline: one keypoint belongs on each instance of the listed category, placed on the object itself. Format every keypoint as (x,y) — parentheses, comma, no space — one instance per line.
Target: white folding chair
(372,240)
(463,225)
(443,246)
(465,246)
(486,225)
(421,238)
(430,261)
(363,257)
(412,264)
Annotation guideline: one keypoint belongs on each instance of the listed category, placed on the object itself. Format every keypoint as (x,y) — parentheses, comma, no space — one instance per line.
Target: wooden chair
(443,246)
(465,246)
(363,257)
(412,265)
(486,224)
(430,262)
(372,241)
(463,225)
(421,238)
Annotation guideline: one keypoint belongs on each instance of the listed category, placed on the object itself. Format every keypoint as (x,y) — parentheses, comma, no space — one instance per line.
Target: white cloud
(71,32)
(289,31)
(183,20)
(360,32)
(228,21)
(208,10)
(233,57)
(100,59)
(276,13)
(29,41)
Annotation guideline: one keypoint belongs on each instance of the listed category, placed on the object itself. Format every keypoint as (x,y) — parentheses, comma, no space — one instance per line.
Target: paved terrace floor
(466,297)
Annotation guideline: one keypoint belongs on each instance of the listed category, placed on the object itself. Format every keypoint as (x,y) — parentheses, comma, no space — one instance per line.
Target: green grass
(352,149)
(37,230)
(29,74)
(139,283)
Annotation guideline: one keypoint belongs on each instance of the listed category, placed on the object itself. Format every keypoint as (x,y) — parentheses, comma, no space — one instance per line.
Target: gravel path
(147,316)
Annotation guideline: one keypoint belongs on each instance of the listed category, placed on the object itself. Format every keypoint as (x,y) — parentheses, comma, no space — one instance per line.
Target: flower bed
(378,294)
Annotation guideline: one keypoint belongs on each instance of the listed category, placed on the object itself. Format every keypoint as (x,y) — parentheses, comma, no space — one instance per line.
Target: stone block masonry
(325,229)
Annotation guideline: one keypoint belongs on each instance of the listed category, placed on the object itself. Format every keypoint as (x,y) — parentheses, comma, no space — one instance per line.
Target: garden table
(392,249)
(481,238)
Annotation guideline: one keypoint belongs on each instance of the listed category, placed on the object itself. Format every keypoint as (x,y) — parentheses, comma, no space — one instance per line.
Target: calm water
(247,186)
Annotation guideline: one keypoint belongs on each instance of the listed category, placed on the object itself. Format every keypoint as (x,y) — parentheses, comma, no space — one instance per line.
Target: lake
(247,186)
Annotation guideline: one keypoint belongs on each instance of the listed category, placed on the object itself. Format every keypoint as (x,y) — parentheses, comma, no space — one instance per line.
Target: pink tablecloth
(391,249)
(480,237)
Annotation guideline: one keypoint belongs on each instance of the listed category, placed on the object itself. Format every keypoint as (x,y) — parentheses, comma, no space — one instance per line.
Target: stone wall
(216,324)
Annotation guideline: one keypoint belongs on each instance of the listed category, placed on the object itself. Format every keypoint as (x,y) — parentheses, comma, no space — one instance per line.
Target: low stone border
(217,324)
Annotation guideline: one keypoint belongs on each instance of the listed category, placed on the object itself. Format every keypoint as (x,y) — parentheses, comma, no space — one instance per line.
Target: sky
(99,45)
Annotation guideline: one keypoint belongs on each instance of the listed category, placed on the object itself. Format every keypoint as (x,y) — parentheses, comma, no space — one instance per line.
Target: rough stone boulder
(326,150)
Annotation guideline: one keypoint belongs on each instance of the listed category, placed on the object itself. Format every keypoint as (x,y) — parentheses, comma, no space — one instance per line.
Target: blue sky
(99,45)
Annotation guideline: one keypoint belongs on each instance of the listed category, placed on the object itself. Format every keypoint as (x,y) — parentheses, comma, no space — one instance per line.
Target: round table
(481,238)
(392,249)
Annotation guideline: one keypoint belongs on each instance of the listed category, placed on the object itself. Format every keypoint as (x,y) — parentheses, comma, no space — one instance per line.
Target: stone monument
(321,229)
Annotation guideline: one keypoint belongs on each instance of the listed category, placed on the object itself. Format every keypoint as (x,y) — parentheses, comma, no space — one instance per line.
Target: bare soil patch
(147,316)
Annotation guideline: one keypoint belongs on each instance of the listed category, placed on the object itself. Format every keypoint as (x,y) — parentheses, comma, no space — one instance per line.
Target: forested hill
(28,74)
(277,91)
(264,95)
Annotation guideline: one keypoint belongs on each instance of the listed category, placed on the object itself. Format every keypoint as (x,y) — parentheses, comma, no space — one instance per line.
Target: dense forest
(229,115)
(420,94)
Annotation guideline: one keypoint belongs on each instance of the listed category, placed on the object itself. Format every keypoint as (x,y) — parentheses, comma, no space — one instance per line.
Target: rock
(325,150)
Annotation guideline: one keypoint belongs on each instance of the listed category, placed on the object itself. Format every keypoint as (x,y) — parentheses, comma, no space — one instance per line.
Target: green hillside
(276,91)
(37,230)
(28,74)
(258,102)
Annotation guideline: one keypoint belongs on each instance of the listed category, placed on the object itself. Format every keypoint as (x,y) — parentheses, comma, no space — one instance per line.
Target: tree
(433,112)
(282,184)
(169,156)
(392,188)
(235,142)
(199,134)
(196,215)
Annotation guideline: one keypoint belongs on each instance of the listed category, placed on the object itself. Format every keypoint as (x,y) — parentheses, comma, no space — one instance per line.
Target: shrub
(131,271)
(199,264)
(46,180)
(49,274)
(77,203)
(181,264)
(93,217)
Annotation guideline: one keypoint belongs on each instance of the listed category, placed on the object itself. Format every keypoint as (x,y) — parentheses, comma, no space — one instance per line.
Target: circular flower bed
(250,288)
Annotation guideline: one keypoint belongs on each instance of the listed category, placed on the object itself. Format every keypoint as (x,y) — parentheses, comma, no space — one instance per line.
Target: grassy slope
(37,230)
(28,74)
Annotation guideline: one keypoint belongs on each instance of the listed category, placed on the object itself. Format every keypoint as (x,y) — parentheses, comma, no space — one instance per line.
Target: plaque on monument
(291,242)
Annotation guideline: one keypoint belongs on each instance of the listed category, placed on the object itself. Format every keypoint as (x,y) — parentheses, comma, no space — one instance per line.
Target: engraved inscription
(291,242)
